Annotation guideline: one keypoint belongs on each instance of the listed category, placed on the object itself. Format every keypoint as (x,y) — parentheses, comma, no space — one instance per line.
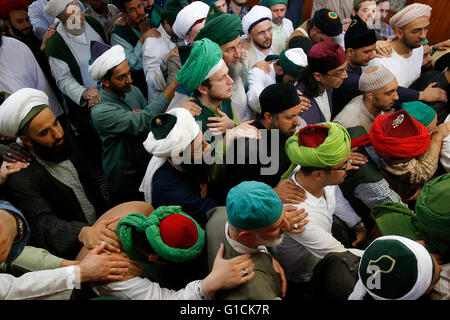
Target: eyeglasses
(140,6)
(338,74)
(262,33)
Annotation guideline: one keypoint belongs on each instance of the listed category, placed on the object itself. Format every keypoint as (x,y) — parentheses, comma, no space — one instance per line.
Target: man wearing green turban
(206,74)
(160,243)
(282,28)
(319,155)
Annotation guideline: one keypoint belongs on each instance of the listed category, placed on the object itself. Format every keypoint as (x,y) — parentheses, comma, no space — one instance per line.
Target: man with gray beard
(68,52)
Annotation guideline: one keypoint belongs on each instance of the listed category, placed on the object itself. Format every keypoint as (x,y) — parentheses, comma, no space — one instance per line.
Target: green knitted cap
(162,124)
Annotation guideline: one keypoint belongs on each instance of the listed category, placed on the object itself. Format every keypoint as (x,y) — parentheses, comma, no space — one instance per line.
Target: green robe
(122,133)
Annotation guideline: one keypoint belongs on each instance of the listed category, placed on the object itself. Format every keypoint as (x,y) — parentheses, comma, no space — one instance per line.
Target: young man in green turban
(319,155)
(159,243)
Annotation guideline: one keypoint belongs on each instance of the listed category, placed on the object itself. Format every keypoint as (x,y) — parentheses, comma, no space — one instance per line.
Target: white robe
(257,81)
(19,69)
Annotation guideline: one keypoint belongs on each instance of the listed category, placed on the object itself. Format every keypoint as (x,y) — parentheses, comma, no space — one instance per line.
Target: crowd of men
(196,150)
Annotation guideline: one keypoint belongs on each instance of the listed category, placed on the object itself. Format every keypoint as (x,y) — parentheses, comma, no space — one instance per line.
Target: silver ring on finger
(295,226)
(245,272)
(9,154)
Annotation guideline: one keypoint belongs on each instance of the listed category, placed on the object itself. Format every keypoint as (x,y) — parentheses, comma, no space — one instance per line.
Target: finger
(220,252)
(112,235)
(248,277)
(214,119)
(215,125)
(221,113)
(98,249)
(112,247)
(241,258)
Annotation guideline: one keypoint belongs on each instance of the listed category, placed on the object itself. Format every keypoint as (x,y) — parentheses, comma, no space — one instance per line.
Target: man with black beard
(56,193)
(152,13)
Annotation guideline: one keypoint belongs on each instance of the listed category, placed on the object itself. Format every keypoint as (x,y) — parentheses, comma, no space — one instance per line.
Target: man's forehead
(419,23)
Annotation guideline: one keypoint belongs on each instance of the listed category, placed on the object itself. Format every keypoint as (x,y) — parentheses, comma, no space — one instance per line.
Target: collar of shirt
(239,247)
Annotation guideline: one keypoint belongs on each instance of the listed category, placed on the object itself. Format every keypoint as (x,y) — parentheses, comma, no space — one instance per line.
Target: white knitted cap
(375,78)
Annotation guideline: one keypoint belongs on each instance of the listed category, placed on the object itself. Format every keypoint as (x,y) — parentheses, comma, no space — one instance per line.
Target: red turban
(396,135)
(6,6)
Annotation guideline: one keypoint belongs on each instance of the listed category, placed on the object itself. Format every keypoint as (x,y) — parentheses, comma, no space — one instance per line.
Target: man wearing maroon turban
(326,70)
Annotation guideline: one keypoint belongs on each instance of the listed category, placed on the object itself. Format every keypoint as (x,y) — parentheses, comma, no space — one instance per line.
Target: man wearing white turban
(56,193)
(410,25)
(122,119)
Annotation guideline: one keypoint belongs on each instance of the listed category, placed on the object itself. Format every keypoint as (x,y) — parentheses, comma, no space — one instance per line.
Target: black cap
(278,97)
(358,35)
(300,42)
(328,22)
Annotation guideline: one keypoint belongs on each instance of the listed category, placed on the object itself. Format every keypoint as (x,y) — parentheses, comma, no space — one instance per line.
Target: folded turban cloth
(375,78)
(170,134)
(269,3)
(19,109)
(292,61)
(205,60)
(441,60)
(221,29)
(396,135)
(172,234)
(256,15)
(7,6)
(394,268)
(171,9)
(358,35)
(319,145)
(55,7)
(253,205)
(188,16)
(278,97)
(111,58)
(327,22)
(325,56)
(433,214)
(409,14)
(420,111)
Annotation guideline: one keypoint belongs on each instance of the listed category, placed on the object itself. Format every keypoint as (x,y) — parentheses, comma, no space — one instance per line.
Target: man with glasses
(326,71)
(320,161)
(131,36)
(258,27)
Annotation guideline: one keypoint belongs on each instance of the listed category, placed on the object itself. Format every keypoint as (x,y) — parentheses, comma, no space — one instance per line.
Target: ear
(7,24)
(349,52)
(203,90)
(353,12)
(245,236)
(398,33)
(189,39)
(318,174)
(154,258)
(370,96)
(317,76)
(267,116)
(278,69)
(26,141)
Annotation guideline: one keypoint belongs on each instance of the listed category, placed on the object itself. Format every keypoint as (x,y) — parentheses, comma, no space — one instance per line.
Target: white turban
(256,14)
(188,16)
(17,106)
(425,268)
(108,60)
(180,137)
(408,14)
(55,7)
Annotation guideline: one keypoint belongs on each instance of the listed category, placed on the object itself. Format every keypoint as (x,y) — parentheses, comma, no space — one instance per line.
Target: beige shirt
(355,114)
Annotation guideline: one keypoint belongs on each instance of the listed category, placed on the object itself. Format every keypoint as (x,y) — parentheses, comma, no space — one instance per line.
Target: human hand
(48,34)
(137,111)
(144,26)
(443,130)
(305,103)
(444,45)
(431,94)
(228,274)
(16,152)
(172,53)
(383,49)
(193,108)
(8,168)
(96,234)
(360,233)
(356,157)
(8,227)
(150,33)
(120,21)
(94,101)
(96,267)
(289,192)
(243,130)
(221,123)
(280,272)
(263,65)
(296,218)
(90,93)
(203,190)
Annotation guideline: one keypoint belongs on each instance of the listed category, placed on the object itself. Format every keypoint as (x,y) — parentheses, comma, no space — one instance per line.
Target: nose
(395,97)
(230,81)
(296,121)
(344,74)
(57,133)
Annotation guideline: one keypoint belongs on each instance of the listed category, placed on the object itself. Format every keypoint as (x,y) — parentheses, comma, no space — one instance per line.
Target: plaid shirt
(244,10)
(385,31)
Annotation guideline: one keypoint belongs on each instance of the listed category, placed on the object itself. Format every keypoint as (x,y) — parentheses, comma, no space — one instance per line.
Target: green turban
(150,226)
(433,214)
(221,29)
(171,9)
(269,3)
(323,145)
(204,59)
(394,219)
(420,111)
